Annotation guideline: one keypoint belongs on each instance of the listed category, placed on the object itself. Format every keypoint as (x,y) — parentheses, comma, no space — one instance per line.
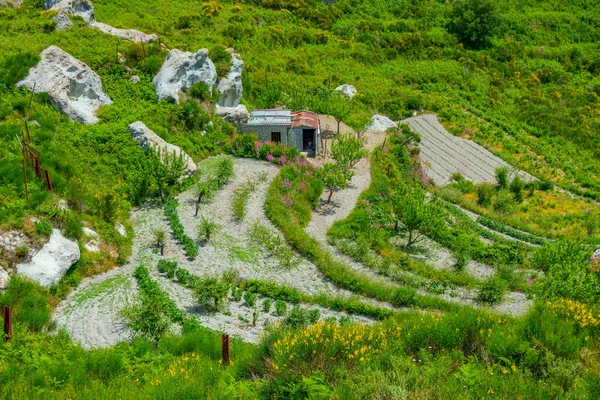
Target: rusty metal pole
(7,323)
(226,350)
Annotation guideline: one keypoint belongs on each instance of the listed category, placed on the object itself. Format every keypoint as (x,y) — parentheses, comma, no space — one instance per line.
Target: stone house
(299,129)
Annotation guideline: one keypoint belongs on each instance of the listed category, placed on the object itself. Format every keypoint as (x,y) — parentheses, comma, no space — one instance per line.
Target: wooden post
(25,169)
(226,351)
(50,188)
(7,323)
(31,97)
(27,128)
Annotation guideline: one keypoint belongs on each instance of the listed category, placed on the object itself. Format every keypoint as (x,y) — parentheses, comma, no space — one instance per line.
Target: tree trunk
(396,226)
(338,126)
(162,249)
(329,198)
(162,192)
(197,208)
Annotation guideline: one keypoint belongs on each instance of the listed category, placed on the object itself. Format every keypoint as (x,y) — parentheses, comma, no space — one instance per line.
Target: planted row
(189,245)
(507,230)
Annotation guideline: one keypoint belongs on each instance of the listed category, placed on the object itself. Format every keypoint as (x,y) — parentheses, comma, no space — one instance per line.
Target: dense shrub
(491,291)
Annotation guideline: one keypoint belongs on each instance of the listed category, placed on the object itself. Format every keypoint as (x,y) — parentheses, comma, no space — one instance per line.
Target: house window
(276,137)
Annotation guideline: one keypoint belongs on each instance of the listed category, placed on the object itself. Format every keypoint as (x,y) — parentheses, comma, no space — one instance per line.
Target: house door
(276,137)
(308,140)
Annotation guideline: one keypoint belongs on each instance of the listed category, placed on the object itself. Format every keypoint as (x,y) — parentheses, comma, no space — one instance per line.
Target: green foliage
(199,91)
(502,179)
(347,150)
(266,305)
(212,294)
(168,268)
(334,177)
(491,291)
(297,318)
(502,228)
(485,192)
(43,228)
(280,308)
(207,228)
(474,22)
(166,168)
(241,196)
(516,187)
(29,302)
(568,272)
(404,297)
(189,246)
(250,299)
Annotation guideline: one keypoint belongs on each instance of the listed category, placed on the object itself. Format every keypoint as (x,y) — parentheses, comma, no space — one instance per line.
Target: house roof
(270,117)
(305,119)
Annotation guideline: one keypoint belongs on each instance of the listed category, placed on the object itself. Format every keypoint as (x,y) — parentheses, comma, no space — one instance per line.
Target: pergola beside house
(298,129)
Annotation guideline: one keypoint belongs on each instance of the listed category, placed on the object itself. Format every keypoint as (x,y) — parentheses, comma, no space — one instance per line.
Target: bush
(297,318)
(280,308)
(189,246)
(266,305)
(206,229)
(212,294)
(491,291)
(404,297)
(199,91)
(314,316)
(104,364)
(237,294)
(167,267)
(250,299)
(485,191)
(29,302)
(474,22)
(43,228)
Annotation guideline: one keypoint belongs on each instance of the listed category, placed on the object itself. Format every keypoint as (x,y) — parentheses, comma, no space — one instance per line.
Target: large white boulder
(73,87)
(237,116)
(346,90)
(146,138)
(48,4)
(380,123)
(127,34)
(63,21)
(83,8)
(49,265)
(181,70)
(230,87)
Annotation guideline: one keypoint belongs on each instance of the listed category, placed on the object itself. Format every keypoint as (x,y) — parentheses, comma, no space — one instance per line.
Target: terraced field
(445,154)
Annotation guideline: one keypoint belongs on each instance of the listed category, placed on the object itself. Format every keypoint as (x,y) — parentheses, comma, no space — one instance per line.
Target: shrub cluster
(502,228)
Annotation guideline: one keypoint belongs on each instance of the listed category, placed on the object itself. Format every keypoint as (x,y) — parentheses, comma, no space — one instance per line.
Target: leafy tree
(516,187)
(347,150)
(206,229)
(339,107)
(474,22)
(147,318)
(205,190)
(212,293)
(419,215)
(502,177)
(165,167)
(333,177)
(159,237)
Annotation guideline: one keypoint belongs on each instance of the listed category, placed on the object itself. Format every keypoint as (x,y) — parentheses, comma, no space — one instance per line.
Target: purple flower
(282,160)
(385,150)
(302,186)
(287,201)
(256,145)
(529,281)
(270,157)
(286,184)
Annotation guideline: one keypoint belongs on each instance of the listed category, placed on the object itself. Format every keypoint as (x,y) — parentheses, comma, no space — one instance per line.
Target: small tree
(347,150)
(147,318)
(166,168)
(502,177)
(224,170)
(516,187)
(206,229)
(420,216)
(212,294)
(333,177)
(474,22)
(159,237)
(339,107)
(205,190)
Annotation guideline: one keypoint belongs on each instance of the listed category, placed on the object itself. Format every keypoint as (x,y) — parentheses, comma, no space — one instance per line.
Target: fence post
(226,351)
(7,323)
(49,181)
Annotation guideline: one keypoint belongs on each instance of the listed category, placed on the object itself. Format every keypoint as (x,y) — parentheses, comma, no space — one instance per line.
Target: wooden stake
(27,128)
(7,323)
(50,188)
(25,168)
(226,351)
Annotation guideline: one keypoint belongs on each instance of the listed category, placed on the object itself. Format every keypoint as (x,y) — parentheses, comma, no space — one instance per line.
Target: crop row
(189,245)
(151,289)
(507,230)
